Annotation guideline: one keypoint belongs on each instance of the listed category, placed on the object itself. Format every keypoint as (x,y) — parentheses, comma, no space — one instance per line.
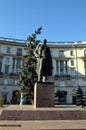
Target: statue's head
(44,41)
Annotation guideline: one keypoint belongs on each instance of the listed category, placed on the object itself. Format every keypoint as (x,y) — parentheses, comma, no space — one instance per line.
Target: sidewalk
(43,125)
(31,107)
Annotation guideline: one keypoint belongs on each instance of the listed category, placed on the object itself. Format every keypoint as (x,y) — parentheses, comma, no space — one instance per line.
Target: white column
(54,67)
(58,67)
(15,66)
(64,68)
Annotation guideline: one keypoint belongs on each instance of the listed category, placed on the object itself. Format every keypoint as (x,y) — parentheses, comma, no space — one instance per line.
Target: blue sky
(62,20)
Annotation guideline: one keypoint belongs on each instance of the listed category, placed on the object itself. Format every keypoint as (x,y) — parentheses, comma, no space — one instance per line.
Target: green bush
(2,101)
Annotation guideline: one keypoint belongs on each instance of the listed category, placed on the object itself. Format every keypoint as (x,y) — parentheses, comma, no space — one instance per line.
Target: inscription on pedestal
(44,95)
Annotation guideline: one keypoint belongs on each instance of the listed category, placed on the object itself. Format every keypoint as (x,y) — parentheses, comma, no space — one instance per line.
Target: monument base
(44,94)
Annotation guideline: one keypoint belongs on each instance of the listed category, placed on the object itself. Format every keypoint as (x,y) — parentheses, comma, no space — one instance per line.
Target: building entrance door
(74,99)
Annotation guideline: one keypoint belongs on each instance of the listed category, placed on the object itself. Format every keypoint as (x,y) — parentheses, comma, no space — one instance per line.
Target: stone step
(43,115)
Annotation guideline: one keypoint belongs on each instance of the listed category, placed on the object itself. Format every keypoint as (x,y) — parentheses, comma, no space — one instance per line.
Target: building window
(0,49)
(74,83)
(5,81)
(71,53)
(8,49)
(16,81)
(61,67)
(61,64)
(62,83)
(0,59)
(19,51)
(61,71)
(72,62)
(7,59)
(51,52)
(66,68)
(85,63)
(7,69)
(13,64)
(57,66)
(18,62)
(85,66)
(73,72)
(84,52)
(61,53)
(17,70)
(0,67)
(13,70)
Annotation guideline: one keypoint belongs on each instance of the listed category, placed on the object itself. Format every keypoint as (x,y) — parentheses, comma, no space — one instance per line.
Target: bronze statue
(44,61)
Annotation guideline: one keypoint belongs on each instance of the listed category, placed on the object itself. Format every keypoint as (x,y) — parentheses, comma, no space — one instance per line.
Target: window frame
(5,81)
(61,53)
(15,82)
(71,52)
(6,69)
(8,49)
(62,83)
(7,60)
(85,52)
(72,62)
(19,51)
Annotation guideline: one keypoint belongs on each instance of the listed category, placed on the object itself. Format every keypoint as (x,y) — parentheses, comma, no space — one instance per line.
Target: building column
(54,67)
(15,66)
(64,67)
(58,67)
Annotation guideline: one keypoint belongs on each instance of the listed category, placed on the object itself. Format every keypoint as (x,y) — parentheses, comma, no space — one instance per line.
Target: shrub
(2,100)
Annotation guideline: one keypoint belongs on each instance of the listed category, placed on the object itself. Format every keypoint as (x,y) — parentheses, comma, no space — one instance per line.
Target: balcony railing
(61,55)
(19,54)
(57,76)
(9,74)
(62,76)
(14,74)
(10,84)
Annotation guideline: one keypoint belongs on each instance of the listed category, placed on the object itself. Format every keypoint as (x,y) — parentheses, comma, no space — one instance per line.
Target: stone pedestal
(44,94)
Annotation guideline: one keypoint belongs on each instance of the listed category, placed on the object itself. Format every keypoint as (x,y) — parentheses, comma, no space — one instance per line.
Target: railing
(19,54)
(9,74)
(13,40)
(62,76)
(72,76)
(2,84)
(70,86)
(61,55)
(49,42)
(64,42)
(14,74)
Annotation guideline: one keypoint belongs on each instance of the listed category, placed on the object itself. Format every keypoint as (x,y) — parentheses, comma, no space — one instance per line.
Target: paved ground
(42,124)
(31,107)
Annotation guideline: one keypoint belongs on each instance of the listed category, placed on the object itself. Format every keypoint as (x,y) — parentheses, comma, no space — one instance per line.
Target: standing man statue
(44,61)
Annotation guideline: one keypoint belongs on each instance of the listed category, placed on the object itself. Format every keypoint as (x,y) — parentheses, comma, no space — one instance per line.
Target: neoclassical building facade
(11,60)
(69,67)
